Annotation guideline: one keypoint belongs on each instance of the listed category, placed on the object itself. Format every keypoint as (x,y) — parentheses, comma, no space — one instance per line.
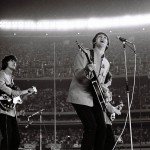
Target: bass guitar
(95,83)
(100,91)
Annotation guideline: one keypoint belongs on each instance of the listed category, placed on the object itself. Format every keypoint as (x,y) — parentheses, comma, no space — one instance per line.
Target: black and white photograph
(74,75)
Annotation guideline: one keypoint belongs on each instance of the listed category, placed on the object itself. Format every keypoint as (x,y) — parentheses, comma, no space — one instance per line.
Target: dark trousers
(10,133)
(110,138)
(97,135)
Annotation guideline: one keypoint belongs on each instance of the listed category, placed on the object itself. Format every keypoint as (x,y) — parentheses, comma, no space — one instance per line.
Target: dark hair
(108,77)
(94,39)
(6,59)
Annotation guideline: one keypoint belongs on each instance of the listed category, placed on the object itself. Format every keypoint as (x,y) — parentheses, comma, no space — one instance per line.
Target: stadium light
(76,24)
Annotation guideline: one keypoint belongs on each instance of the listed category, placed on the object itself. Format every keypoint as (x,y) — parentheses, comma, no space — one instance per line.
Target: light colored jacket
(77,91)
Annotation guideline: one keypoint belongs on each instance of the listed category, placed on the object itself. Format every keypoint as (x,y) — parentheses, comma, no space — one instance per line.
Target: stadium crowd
(48,57)
(39,56)
(69,137)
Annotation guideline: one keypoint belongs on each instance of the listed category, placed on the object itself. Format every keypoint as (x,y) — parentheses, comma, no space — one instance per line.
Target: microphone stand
(127,92)
(29,123)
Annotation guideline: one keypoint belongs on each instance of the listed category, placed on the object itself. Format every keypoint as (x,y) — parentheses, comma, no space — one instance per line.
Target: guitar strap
(92,55)
(92,59)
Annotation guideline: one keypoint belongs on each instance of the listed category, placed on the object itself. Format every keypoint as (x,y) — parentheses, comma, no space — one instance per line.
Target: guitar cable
(133,88)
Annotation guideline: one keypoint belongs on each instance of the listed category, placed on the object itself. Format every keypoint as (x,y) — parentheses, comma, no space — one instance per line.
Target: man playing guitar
(8,123)
(84,93)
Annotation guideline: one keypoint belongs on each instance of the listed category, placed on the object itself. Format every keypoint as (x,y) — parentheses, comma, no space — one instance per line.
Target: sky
(63,9)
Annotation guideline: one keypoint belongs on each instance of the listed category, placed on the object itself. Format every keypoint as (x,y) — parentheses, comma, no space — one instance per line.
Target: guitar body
(8,103)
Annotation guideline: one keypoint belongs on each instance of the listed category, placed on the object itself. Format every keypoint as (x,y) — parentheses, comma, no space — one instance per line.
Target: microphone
(123,39)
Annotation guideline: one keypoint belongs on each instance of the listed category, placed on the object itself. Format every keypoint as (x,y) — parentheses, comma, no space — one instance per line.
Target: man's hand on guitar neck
(90,67)
(88,70)
(31,90)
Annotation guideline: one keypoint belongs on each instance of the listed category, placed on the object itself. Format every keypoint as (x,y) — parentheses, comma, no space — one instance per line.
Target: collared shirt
(5,80)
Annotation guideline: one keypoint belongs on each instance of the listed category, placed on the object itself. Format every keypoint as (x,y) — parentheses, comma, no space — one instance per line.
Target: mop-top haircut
(6,59)
(94,39)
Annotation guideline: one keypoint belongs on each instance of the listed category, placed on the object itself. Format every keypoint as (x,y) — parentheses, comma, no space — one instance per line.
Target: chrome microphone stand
(29,123)
(127,92)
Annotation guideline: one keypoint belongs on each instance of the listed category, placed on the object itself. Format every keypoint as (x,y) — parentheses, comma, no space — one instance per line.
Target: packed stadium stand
(45,61)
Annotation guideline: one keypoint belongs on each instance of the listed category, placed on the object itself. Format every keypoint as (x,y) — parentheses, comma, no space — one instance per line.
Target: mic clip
(123,40)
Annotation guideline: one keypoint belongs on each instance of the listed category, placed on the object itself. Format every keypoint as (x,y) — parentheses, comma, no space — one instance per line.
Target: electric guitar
(7,102)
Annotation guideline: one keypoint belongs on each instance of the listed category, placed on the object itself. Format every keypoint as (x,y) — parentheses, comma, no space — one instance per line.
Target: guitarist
(84,101)
(8,123)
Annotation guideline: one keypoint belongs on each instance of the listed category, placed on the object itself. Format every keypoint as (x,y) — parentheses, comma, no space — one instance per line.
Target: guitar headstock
(34,89)
(80,46)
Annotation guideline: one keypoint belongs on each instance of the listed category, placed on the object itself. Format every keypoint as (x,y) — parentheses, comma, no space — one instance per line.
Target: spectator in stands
(8,123)
(83,97)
